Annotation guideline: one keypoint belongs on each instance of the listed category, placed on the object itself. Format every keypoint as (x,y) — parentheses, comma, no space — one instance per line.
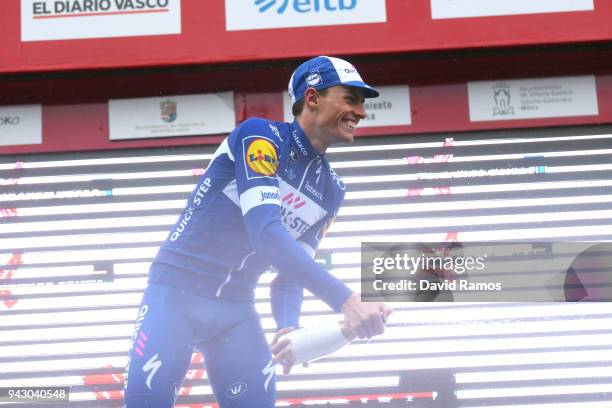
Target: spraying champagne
(311,343)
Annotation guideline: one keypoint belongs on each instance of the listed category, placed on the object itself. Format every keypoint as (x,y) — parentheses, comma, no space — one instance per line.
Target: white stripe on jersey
(223,148)
(231,192)
(259,195)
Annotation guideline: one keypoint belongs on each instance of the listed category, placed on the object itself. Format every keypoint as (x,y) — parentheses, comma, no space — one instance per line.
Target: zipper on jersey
(317,158)
(229,274)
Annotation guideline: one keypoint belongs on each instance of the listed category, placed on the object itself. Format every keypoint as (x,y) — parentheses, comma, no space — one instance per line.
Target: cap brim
(368,91)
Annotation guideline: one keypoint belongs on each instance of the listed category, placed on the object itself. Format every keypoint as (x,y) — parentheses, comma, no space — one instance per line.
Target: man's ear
(311,98)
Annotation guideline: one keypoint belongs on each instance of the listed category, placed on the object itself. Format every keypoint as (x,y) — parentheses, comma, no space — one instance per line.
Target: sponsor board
(262,14)
(391,108)
(532,98)
(171,116)
(20,125)
(441,9)
(44,20)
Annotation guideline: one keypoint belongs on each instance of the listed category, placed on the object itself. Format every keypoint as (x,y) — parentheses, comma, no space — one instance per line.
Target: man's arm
(256,150)
(255,153)
(286,296)
(286,300)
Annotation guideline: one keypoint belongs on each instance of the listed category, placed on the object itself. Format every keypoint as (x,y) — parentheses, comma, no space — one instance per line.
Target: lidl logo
(266,14)
(261,157)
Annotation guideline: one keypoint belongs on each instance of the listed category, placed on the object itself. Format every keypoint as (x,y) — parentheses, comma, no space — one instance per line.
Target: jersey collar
(302,142)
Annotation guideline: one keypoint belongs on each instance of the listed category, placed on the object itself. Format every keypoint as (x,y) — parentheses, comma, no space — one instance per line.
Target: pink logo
(295,201)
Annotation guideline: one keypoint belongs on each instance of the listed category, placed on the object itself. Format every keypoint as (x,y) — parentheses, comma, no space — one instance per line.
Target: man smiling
(266,199)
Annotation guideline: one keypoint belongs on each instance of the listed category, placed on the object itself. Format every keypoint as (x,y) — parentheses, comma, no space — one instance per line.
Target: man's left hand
(281,350)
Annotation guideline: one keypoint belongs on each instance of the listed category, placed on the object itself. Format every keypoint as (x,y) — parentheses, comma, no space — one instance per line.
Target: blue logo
(264,5)
(306,6)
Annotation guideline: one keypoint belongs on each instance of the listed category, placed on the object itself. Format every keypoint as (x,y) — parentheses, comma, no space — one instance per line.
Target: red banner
(51,35)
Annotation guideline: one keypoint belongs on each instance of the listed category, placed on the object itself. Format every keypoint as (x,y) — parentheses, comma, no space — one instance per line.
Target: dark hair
(298,107)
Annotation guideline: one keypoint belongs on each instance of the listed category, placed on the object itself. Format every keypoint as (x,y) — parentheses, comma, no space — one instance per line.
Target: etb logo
(304,6)
(266,14)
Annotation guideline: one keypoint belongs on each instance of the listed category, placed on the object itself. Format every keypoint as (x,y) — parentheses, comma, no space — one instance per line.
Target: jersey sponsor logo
(293,222)
(269,195)
(298,212)
(294,201)
(299,143)
(290,203)
(312,190)
(202,189)
(259,195)
(152,365)
(261,157)
(275,130)
(141,315)
(236,389)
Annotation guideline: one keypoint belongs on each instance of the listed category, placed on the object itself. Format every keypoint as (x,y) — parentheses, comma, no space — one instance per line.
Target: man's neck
(313,137)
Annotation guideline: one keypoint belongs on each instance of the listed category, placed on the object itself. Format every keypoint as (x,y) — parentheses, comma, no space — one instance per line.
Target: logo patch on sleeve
(261,157)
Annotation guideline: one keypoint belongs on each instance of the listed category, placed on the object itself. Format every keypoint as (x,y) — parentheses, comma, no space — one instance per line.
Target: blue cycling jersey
(266,199)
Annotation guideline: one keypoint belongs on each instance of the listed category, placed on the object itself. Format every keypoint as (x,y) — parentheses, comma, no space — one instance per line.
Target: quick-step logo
(262,14)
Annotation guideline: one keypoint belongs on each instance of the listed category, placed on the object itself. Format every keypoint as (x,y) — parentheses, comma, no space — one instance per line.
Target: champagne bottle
(311,343)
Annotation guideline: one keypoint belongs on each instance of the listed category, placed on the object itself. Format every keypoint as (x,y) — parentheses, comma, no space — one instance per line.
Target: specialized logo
(261,157)
(318,173)
(268,371)
(275,130)
(152,365)
(302,6)
(168,110)
(236,389)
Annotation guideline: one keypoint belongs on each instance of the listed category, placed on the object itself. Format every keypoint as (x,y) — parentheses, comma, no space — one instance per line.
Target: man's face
(339,112)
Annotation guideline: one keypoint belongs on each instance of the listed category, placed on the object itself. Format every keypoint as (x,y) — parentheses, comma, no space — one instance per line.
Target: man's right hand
(364,320)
